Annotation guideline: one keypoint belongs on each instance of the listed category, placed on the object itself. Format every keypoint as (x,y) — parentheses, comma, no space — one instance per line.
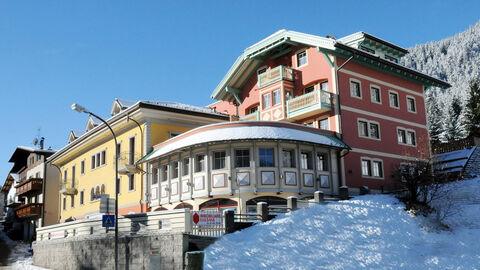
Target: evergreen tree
(472,109)
(434,119)
(454,124)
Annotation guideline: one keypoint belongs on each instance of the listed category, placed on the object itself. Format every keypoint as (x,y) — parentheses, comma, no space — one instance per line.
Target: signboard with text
(206,218)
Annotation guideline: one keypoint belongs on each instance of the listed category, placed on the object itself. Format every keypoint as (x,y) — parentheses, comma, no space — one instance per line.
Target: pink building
(352,87)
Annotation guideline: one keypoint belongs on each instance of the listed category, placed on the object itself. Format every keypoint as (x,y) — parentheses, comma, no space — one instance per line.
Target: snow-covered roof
(245,130)
(74,134)
(454,161)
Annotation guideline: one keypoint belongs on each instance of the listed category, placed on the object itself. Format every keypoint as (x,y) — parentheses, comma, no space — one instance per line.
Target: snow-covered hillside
(368,232)
(455,59)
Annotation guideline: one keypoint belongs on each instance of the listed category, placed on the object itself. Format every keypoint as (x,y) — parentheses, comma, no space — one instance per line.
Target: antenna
(35,141)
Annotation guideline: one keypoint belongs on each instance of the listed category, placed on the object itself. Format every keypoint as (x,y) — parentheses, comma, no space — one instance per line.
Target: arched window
(103,188)
(160,209)
(97,190)
(219,204)
(92,192)
(270,200)
(184,205)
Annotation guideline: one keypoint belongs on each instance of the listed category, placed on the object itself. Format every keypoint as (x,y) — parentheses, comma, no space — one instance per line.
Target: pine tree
(454,124)
(434,119)
(472,109)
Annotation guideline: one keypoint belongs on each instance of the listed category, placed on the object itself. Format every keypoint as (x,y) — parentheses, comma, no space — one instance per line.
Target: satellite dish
(35,141)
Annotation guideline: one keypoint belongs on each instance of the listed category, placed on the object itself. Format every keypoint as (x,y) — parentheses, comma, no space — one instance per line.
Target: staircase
(472,168)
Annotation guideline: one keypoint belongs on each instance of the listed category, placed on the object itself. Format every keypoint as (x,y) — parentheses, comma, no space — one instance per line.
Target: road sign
(107,205)
(108,221)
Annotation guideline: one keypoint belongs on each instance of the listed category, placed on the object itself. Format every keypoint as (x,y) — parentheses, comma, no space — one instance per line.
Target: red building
(352,86)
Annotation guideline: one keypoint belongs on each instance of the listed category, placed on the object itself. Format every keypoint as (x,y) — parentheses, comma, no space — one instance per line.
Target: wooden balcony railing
(315,101)
(275,75)
(29,186)
(255,116)
(29,210)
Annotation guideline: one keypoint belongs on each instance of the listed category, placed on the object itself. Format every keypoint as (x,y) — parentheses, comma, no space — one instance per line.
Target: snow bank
(372,232)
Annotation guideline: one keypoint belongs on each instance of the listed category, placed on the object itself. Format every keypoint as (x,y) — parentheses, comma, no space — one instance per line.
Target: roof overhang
(362,38)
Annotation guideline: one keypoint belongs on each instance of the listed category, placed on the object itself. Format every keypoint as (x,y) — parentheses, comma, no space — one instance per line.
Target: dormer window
(389,58)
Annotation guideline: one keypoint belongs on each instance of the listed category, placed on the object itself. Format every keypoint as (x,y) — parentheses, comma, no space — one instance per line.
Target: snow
(453,155)
(19,256)
(367,232)
(255,131)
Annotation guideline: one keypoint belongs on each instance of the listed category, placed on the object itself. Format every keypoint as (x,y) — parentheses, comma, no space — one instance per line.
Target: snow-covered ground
(367,232)
(19,256)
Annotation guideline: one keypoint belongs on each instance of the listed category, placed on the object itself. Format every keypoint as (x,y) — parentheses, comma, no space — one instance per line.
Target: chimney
(41,142)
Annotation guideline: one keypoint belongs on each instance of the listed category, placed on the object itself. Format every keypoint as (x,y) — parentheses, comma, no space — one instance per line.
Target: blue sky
(55,53)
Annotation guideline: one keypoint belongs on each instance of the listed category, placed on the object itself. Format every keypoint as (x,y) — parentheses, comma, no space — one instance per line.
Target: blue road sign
(108,221)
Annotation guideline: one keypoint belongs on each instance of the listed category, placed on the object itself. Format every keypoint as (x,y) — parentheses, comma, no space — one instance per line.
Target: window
(266,157)
(37,175)
(389,58)
(175,169)
(32,160)
(368,129)
(267,102)
(73,176)
(164,173)
(82,167)
(288,158)
(119,148)
(324,86)
(92,193)
(154,176)
(306,160)
(242,158)
(372,167)
(200,163)
(309,89)
(118,185)
(323,124)
(276,97)
(72,201)
(98,159)
(131,182)
(64,203)
(252,109)
(261,70)
(411,105)
(355,89)
(38,157)
(406,136)
(131,154)
(65,174)
(375,94)
(219,160)
(322,163)
(186,166)
(302,58)
(393,97)
(81,197)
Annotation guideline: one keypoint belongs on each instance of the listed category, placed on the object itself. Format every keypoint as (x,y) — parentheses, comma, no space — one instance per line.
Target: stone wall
(141,251)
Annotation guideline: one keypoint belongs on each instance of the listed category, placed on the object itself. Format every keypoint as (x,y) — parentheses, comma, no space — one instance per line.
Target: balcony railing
(275,75)
(126,162)
(312,103)
(68,188)
(29,210)
(255,116)
(29,186)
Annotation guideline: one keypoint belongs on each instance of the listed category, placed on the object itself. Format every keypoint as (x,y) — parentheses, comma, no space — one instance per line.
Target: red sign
(196,218)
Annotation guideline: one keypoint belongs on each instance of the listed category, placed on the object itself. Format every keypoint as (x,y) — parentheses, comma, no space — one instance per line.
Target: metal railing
(127,162)
(275,75)
(68,187)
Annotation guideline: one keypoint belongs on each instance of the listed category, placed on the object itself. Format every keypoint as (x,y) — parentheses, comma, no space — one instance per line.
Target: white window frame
(379,93)
(352,80)
(369,122)
(390,101)
(406,130)
(371,168)
(414,104)
(306,57)
(264,98)
(279,97)
(321,120)
(82,166)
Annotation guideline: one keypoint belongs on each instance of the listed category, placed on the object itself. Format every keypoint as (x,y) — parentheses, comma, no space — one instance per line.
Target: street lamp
(81,109)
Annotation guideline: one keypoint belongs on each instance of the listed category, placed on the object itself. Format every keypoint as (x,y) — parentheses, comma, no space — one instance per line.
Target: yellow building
(87,162)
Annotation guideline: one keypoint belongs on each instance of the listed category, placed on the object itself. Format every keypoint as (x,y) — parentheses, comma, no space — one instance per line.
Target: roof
(245,130)
(281,42)
(362,37)
(11,178)
(21,153)
(453,161)
(166,104)
(174,107)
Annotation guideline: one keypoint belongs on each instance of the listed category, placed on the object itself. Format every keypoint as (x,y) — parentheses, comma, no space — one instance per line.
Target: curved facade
(227,165)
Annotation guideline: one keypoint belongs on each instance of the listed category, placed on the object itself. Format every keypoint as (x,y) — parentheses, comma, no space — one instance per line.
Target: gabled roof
(11,179)
(120,105)
(21,153)
(91,123)
(74,134)
(281,42)
(362,38)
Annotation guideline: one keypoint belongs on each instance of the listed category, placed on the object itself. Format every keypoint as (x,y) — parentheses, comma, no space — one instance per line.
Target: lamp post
(81,109)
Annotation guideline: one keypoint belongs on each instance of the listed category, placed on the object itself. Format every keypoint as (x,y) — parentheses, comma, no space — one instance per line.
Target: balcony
(29,210)
(29,186)
(255,116)
(274,75)
(12,203)
(68,188)
(126,163)
(306,105)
